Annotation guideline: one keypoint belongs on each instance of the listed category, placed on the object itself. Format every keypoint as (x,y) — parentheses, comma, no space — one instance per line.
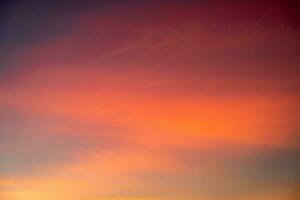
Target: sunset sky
(149,100)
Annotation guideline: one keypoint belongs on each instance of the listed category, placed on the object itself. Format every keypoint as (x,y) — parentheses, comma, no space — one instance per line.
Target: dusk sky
(149,100)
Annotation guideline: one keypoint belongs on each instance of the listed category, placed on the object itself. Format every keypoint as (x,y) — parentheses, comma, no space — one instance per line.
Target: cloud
(139,100)
(31,144)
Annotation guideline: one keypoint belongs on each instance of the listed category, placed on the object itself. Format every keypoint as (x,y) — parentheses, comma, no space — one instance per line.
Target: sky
(149,100)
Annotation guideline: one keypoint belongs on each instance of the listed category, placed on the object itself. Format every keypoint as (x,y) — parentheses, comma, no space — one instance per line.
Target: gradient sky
(149,100)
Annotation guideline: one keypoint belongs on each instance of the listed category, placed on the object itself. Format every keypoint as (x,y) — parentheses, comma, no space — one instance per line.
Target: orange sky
(149,100)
